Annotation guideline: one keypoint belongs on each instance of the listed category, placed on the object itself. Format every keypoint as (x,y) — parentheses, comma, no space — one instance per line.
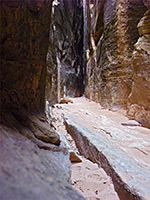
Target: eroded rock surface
(24,44)
(139,99)
(64,59)
(118,62)
(87,177)
(29,172)
(34,163)
(122,151)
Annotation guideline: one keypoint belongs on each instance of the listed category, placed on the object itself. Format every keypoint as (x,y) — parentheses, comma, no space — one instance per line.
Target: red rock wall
(117,73)
(24,44)
(31,165)
(65,51)
(139,98)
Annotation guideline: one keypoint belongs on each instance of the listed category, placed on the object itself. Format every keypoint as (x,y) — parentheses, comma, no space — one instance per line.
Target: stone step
(130,178)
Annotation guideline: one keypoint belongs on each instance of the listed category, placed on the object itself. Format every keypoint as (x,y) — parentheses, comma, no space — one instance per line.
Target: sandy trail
(92,182)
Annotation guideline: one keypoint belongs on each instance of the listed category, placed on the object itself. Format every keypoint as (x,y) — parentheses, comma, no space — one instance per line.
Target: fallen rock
(65,100)
(47,136)
(43,132)
(139,98)
(74,157)
(139,114)
(131,123)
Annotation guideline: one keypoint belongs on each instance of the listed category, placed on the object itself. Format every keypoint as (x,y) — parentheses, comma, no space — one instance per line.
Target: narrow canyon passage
(75,100)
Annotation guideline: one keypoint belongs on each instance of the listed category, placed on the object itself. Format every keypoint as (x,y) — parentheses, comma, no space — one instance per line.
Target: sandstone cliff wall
(32,163)
(139,98)
(64,59)
(24,44)
(117,73)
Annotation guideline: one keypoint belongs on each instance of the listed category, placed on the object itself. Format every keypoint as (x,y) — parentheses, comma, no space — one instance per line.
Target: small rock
(74,157)
(65,100)
(81,110)
(87,113)
(48,136)
(130,123)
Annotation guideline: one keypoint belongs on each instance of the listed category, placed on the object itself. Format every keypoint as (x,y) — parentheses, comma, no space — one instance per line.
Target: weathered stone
(65,66)
(130,178)
(117,59)
(74,157)
(29,168)
(29,172)
(24,44)
(43,132)
(66,100)
(130,123)
(139,99)
(47,136)
(108,69)
(139,114)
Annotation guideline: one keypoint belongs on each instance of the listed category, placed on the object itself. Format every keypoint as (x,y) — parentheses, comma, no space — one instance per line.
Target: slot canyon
(75,100)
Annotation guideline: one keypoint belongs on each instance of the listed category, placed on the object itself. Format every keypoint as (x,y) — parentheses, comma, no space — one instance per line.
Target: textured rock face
(64,59)
(126,173)
(112,40)
(118,53)
(27,172)
(24,44)
(32,163)
(139,99)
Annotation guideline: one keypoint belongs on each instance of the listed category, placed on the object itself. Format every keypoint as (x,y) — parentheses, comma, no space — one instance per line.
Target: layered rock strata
(33,162)
(64,59)
(117,54)
(139,98)
(24,44)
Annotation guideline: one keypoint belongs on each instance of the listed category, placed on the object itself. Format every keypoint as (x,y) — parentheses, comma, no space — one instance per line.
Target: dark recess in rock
(65,51)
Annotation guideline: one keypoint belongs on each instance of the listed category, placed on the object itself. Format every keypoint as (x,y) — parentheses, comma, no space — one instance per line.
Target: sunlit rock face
(111,38)
(24,45)
(64,59)
(118,62)
(139,98)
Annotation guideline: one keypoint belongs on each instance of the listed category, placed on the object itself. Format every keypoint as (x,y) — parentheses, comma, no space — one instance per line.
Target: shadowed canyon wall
(118,63)
(24,45)
(33,163)
(111,43)
(64,59)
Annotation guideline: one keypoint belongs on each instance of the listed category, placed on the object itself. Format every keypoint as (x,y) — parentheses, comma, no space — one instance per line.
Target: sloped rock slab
(30,173)
(131,180)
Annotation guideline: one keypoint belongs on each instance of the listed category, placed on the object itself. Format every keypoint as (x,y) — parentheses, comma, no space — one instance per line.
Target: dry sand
(92,182)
